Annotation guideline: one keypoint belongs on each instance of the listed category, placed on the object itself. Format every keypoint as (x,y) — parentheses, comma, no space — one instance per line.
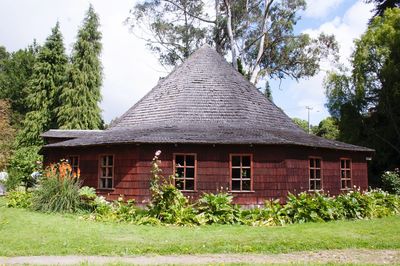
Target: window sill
(188,191)
(241,191)
(105,189)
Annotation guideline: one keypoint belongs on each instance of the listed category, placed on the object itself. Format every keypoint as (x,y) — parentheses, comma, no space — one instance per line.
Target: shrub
(306,207)
(218,209)
(58,190)
(167,204)
(19,199)
(391,181)
(87,196)
(24,162)
(354,205)
(383,204)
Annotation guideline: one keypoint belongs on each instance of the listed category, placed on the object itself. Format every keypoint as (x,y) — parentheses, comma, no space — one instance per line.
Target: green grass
(24,233)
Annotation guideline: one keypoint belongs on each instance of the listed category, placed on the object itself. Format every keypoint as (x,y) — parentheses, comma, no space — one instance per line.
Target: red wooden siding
(276,169)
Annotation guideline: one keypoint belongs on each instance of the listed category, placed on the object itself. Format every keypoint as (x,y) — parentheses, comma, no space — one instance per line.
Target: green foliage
(23,163)
(314,207)
(19,199)
(116,211)
(327,128)
(217,209)
(364,99)
(58,190)
(79,99)
(168,204)
(15,72)
(391,181)
(260,37)
(47,80)
(303,124)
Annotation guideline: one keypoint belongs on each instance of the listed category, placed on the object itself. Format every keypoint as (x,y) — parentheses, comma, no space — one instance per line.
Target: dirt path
(356,256)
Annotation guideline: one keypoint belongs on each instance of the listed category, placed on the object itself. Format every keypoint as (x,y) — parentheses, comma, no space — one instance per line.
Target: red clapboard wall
(276,170)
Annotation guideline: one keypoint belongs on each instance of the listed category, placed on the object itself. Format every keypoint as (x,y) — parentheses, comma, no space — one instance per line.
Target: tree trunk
(230,34)
(256,69)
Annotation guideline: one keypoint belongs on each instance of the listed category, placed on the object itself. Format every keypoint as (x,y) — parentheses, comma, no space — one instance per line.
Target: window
(74,162)
(345,174)
(106,171)
(185,171)
(315,174)
(241,172)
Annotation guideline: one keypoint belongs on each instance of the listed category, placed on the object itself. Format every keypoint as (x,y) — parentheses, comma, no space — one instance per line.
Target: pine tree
(43,89)
(79,100)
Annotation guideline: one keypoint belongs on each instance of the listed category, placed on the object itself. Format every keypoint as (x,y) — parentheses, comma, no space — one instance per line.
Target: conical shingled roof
(205,92)
(204,100)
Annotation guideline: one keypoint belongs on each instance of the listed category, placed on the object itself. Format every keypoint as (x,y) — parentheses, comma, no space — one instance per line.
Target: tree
(79,99)
(327,128)
(258,34)
(7,134)
(43,89)
(303,124)
(15,71)
(382,5)
(365,100)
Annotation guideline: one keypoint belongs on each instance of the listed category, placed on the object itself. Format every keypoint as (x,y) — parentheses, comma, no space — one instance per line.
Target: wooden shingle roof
(204,100)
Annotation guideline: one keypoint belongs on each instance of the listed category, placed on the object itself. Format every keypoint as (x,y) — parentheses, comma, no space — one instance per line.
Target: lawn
(24,233)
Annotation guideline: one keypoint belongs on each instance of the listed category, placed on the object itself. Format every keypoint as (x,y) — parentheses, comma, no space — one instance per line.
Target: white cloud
(310,92)
(320,8)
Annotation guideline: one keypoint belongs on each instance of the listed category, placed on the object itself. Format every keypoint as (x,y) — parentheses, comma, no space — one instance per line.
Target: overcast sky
(130,70)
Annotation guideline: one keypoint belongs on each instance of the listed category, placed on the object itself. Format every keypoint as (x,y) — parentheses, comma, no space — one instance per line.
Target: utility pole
(308,111)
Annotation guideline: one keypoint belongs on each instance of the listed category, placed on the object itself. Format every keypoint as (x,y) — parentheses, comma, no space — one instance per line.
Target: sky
(131,70)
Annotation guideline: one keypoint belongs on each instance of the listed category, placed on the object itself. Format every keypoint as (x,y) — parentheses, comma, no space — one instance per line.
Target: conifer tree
(79,100)
(43,89)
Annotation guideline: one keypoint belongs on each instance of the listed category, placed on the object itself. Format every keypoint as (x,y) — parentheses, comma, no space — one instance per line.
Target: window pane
(103,183)
(348,173)
(179,160)
(104,160)
(190,172)
(318,174)
(312,185)
(348,184)
(246,185)
(343,183)
(317,184)
(342,173)
(342,164)
(235,160)
(189,160)
(189,184)
(110,160)
(311,163)
(179,184)
(110,172)
(245,173)
(236,173)
(246,161)
(103,171)
(235,184)
(180,171)
(347,163)
(318,163)
(109,183)
(312,173)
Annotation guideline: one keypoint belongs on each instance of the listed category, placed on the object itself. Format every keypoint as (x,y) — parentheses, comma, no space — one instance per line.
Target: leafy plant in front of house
(354,205)
(58,190)
(306,207)
(167,204)
(391,181)
(217,209)
(19,199)
(24,163)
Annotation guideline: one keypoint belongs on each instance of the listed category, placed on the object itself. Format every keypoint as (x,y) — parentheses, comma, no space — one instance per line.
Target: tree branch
(190,14)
